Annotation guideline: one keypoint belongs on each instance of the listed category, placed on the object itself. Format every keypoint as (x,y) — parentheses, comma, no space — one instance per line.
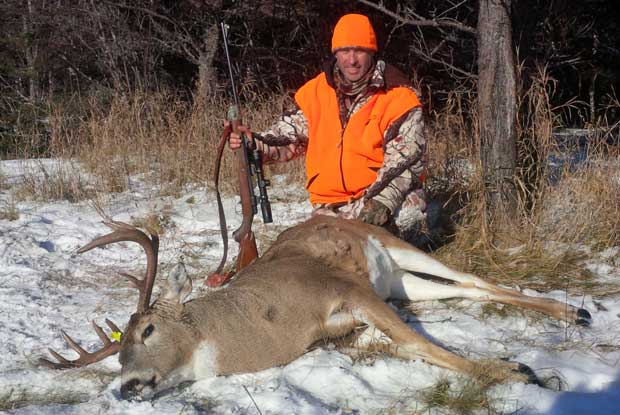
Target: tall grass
(8,210)
(165,140)
(577,204)
(3,180)
(169,142)
(60,181)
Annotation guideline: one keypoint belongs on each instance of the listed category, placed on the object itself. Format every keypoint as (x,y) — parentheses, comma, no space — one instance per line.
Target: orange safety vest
(342,163)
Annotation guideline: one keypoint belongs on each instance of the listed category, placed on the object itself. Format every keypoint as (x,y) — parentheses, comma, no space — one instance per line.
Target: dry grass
(587,204)
(542,248)
(465,399)
(157,223)
(9,210)
(452,146)
(576,206)
(466,394)
(14,399)
(169,143)
(19,395)
(64,181)
(158,137)
(3,181)
(168,140)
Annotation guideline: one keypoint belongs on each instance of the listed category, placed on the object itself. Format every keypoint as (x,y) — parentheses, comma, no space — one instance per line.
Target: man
(359,125)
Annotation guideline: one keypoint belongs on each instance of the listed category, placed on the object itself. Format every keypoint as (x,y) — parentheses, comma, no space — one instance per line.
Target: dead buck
(321,279)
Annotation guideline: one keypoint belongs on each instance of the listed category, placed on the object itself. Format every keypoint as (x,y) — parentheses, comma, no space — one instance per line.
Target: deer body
(320,279)
(270,315)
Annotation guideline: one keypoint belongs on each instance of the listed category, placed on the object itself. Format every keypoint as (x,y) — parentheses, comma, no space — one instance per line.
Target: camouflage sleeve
(404,159)
(286,139)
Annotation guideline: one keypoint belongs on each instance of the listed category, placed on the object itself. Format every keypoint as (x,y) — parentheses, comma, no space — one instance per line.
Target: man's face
(353,62)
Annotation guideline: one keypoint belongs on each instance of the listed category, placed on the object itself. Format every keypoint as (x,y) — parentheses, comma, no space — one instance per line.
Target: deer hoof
(531,376)
(584,318)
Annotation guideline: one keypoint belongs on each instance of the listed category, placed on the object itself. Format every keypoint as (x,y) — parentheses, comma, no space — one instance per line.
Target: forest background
(55,53)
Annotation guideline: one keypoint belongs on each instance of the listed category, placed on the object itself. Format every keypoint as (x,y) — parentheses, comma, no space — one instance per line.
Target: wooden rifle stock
(243,235)
(247,251)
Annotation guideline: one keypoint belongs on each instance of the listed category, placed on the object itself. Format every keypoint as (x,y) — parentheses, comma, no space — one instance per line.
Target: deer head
(159,340)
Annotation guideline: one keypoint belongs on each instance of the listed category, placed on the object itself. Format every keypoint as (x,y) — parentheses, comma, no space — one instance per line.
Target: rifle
(250,167)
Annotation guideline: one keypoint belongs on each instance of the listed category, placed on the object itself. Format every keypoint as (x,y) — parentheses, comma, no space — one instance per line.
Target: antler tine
(102,336)
(113,326)
(125,232)
(85,358)
(136,282)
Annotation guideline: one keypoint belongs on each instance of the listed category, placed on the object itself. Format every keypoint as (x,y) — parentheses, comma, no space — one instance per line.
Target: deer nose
(131,388)
(134,388)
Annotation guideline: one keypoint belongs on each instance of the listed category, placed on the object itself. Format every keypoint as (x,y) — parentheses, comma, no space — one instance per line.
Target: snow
(46,287)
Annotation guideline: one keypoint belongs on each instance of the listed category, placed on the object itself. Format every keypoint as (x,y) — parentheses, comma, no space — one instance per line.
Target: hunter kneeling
(359,125)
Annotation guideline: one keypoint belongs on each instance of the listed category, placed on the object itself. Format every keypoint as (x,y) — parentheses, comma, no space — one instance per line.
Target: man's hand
(234,141)
(374,213)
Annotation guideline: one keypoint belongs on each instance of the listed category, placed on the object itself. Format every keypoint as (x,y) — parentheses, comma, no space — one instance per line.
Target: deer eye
(147,331)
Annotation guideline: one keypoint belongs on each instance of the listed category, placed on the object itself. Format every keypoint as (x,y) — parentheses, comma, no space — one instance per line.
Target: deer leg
(374,341)
(411,259)
(414,288)
(337,325)
(405,343)
(371,310)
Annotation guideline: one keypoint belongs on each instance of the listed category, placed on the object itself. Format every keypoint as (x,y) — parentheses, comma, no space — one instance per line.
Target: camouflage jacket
(397,180)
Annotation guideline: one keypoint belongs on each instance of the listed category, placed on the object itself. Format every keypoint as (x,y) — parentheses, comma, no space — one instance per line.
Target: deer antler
(109,348)
(124,232)
(121,232)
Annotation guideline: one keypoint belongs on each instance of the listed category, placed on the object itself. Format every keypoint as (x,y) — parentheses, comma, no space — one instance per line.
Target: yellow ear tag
(116,335)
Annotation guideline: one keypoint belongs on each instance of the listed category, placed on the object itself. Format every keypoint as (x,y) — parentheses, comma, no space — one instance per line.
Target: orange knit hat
(354,30)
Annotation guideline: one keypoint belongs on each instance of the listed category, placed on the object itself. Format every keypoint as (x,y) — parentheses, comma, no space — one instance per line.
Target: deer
(325,278)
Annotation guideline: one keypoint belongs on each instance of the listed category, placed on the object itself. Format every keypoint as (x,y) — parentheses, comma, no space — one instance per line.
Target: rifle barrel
(252,161)
(224,28)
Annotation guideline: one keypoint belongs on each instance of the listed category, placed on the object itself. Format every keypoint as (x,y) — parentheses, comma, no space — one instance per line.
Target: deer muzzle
(136,388)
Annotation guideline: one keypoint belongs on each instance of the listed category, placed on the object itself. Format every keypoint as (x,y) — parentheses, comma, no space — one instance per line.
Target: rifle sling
(220,207)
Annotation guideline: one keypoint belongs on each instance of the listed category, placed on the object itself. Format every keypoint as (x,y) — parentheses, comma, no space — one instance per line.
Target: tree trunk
(592,94)
(206,71)
(31,52)
(497,106)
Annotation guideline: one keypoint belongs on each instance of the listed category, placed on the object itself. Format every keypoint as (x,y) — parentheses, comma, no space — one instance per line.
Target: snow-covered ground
(45,287)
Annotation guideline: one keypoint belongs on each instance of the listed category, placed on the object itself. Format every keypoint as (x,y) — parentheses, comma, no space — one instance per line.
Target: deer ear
(178,286)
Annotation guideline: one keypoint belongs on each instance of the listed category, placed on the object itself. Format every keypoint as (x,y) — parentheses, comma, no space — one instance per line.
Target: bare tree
(496,80)
(497,105)
(438,38)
